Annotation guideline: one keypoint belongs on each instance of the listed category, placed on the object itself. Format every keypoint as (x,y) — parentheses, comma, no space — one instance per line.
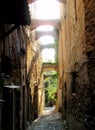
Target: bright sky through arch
(45,28)
(46,40)
(47,9)
(48,55)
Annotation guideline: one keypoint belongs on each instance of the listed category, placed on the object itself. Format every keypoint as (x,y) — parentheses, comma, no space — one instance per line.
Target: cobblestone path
(49,120)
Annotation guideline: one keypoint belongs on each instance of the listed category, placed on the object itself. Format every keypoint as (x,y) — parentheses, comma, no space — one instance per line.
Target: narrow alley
(49,120)
(47,65)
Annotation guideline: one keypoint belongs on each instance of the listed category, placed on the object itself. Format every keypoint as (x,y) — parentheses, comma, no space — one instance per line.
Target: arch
(41,34)
(52,70)
(49,66)
(36,23)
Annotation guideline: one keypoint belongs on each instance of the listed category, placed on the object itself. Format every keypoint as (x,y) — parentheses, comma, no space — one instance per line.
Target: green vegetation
(56,50)
(50,87)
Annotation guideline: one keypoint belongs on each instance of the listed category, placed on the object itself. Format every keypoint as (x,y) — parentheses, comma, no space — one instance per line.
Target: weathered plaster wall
(72,38)
(77,25)
(60,74)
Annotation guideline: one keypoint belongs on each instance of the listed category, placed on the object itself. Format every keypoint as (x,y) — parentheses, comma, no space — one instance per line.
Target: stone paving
(49,120)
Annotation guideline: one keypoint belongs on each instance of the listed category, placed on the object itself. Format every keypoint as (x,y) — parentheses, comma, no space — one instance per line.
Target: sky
(47,9)
(48,55)
(46,40)
(45,28)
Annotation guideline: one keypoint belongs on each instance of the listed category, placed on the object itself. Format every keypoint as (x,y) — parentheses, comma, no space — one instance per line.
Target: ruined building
(21,71)
(77,64)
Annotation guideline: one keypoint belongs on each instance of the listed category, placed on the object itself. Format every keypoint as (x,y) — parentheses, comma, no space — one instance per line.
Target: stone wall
(72,39)
(20,58)
(89,22)
(77,39)
(34,78)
